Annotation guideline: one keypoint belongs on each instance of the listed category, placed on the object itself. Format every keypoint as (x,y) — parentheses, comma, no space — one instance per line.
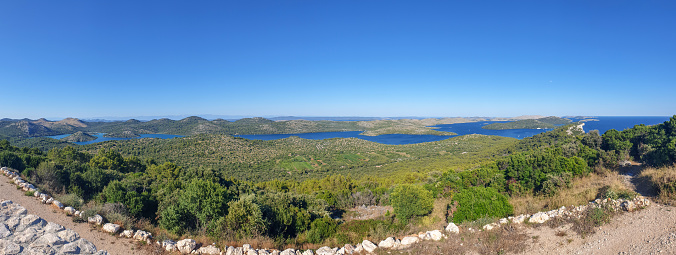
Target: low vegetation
(294,192)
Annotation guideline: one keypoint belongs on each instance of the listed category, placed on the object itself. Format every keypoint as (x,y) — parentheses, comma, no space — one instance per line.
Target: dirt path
(648,231)
(103,241)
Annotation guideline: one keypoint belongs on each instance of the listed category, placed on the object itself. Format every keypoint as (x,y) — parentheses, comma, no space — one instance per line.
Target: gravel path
(103,241)
(648,231)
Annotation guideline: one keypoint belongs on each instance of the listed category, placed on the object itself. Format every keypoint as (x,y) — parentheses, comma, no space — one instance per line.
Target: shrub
(72,200)
(245,217)
(479,202)
(411,200)
(321,229)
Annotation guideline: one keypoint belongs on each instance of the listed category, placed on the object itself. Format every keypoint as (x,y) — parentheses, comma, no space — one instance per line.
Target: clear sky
(337,58)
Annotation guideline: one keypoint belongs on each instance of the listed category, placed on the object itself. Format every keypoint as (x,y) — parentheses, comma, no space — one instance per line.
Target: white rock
(540,217)
(359,248)
(368,246)
(409,240)
(520,219)
(111,228)
(388,243)
(127,233)
(435,235)
(57,204)
(96,219)
(325,251)
(628,206)
(308,252)
(288,252)
(209,250)
(452,228)
(491,226)
(186,245)
(69,210)
(141,235)
(349,249)
(503,221)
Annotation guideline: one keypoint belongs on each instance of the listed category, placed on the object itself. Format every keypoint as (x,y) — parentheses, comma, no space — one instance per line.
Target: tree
(198,204)
(411,200)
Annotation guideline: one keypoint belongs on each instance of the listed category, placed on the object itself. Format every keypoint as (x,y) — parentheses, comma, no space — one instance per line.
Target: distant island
(79,137)
(123,134)
(541,123)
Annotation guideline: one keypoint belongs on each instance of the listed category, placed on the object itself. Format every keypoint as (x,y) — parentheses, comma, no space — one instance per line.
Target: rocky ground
(23,233)
(102,241)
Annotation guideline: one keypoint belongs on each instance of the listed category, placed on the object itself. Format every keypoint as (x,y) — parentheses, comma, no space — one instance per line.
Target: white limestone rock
(96,219)
(540,217)
(209,250)
(186,246)
(388,243)
(368,246)
(452,228)
(111,228)
(141,235)
(409,240)
(69,210)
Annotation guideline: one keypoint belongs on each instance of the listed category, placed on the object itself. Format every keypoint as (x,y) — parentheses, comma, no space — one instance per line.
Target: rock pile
(23,233)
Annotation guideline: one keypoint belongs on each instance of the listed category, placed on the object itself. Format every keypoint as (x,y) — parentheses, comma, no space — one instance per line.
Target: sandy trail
(103,241)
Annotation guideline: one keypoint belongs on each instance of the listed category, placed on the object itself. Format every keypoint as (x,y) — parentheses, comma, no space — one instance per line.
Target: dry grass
(664,180)
(506,239)
(437,218)
(584,190)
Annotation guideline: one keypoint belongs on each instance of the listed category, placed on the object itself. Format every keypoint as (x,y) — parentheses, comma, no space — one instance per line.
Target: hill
(296,158)
(541,123)
(195,125)
(79,137)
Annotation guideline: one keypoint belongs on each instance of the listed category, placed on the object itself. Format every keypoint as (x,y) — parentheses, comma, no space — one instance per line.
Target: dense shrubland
(182,187)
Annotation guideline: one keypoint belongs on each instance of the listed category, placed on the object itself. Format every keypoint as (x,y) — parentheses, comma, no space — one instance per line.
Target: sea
(600,123)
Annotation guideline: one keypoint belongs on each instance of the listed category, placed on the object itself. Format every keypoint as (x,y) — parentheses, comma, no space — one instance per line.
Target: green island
(79,136)
(541,123)
(306,193)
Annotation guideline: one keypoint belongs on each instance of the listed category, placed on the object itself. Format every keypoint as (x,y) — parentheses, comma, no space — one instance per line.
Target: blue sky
(337,58)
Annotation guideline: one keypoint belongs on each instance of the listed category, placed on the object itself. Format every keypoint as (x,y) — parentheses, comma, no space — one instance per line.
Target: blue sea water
(101,138)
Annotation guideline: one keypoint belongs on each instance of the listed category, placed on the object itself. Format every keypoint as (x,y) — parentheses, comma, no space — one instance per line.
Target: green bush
(245,218)
(321,229)
(479,202)
(411,200)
